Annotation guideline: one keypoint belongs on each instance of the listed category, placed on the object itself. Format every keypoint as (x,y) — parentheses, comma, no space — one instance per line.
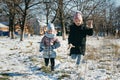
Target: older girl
(77,36)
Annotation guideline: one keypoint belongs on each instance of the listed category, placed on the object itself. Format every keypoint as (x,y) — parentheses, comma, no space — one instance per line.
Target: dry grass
(4,78)
(63,76)
(46,69)
(116,49)
(92,53)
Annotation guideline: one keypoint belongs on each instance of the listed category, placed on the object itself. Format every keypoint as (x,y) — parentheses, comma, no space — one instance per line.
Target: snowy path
(22,61)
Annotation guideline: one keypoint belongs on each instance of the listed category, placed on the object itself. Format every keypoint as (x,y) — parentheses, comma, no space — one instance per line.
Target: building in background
(4,29)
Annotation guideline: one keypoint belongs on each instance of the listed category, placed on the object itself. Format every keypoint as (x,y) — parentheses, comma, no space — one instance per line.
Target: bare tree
(63,10)
(61,16)
(91,9)
(22,10)
(10,10)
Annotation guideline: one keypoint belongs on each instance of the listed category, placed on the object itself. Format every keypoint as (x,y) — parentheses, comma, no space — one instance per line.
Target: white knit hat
(50,26)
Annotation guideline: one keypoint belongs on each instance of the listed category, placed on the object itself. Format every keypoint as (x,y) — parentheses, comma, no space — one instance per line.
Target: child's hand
(41,49)
(70,46)
(51,44)
(90,23)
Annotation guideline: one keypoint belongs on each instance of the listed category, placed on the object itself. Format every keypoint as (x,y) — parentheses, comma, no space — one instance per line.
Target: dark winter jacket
(77,37)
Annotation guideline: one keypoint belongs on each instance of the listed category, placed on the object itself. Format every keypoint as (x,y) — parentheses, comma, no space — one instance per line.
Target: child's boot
(52,68)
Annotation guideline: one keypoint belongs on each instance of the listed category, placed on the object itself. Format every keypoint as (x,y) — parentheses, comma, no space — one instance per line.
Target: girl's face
(50,31)
(78,20)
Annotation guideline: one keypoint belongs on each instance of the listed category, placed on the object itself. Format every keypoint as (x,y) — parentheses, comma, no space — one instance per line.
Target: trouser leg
(52,63)
(46,61)
(78,59)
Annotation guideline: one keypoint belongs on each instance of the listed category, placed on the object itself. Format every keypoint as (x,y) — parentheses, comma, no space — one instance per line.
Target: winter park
(59,40)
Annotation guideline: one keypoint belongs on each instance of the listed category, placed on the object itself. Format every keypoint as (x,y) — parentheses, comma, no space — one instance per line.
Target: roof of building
(3,24)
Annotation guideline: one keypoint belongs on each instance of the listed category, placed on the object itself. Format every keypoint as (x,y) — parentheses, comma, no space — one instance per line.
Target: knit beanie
(77,15)
(50,26)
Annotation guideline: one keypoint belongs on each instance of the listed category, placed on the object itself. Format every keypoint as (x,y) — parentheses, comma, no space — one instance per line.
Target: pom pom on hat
(79,12)
(50,26)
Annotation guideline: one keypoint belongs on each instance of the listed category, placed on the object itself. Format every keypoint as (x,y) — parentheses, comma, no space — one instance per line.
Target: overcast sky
(117,2)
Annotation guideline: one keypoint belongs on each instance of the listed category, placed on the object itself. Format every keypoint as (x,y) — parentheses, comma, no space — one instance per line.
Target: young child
(48,43)
(77,36)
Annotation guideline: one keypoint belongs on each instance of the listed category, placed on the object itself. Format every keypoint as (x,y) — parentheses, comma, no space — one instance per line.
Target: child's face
(50,31)
(78,20)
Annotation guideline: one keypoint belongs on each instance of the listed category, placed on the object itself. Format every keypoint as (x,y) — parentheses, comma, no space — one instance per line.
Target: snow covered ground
(23,61)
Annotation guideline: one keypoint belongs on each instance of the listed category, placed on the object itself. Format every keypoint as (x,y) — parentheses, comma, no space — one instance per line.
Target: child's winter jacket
(48,43)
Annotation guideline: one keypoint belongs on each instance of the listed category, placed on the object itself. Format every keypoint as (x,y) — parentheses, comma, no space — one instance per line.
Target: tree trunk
(63,29)
(11,28)
(22,29)
(62,19)
(22,35)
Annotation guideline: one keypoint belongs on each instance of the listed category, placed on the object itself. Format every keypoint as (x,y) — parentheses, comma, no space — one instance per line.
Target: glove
(41,49)
(52,47)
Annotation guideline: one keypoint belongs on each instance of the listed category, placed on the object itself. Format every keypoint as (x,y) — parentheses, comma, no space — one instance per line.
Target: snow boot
(52,68)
